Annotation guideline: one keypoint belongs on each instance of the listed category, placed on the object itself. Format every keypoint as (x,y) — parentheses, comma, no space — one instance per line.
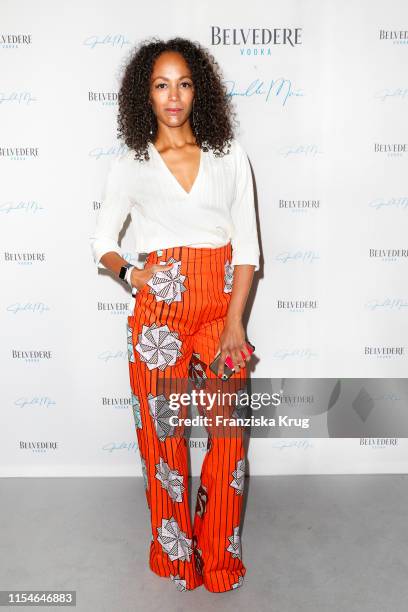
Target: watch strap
(128,275)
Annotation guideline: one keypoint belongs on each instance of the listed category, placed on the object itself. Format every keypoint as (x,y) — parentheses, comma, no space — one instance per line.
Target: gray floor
(317,543)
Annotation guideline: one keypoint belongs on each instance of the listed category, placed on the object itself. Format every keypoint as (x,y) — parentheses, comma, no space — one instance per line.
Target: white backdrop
(323,121)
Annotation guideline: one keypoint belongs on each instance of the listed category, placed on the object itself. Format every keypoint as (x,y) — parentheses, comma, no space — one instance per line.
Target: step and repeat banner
(321,93)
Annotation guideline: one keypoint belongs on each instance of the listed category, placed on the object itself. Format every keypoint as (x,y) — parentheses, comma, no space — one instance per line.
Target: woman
(187,183)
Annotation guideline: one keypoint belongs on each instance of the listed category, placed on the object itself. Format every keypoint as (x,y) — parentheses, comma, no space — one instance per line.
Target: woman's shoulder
(125,162)
(233,150)
(120,167)
(237,146)
(237,150)
(128,154)
(119,159)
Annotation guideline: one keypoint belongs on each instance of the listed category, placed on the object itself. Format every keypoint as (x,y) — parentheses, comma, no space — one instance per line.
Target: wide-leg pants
(173,335)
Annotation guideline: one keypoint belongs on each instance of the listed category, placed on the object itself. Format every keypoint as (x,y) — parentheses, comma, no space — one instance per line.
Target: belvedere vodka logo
(23,257)
(384,352)
(379,442)
(299,205)
(19,153)
(33,355)
(13,40)
(117,402)
(113,308)
(388,254)
(393,149)
(259,42)
(103,98)
(396,37)
(261,39)
(38,446)
(297,305)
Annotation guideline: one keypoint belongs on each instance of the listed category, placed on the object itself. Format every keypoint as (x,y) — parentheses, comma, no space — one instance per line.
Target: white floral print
(171,480)
(239,583)
(145,478)
(174,541)
(131,355)
(235,543)
(136,411)
(158,346)
(167,285)
(196,371)
(180,584)
(161,412)
(239,477)
(228,276)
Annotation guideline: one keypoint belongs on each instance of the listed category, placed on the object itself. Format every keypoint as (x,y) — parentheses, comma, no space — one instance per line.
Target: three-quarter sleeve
(245,244)
(115,206)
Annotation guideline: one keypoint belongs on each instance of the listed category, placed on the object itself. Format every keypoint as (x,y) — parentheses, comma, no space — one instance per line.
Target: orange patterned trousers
(173,335)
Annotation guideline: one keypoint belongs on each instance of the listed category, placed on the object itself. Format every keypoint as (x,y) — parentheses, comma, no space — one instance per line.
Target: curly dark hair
(213,110)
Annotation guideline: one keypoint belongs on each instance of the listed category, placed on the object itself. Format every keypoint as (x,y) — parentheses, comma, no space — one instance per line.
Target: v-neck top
(219,207)
(167,169)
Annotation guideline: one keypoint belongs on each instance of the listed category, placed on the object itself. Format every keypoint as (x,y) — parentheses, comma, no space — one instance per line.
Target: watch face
(123,271)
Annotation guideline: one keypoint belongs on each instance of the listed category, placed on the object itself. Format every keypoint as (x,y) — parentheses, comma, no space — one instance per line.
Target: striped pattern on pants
(173,334)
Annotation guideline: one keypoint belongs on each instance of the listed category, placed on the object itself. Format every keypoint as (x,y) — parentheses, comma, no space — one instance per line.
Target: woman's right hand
(140,276)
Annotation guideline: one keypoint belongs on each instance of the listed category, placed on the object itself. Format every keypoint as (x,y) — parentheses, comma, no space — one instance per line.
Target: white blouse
(220,206)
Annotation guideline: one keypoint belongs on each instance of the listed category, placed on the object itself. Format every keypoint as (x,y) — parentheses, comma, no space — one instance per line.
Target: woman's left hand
(232,342)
